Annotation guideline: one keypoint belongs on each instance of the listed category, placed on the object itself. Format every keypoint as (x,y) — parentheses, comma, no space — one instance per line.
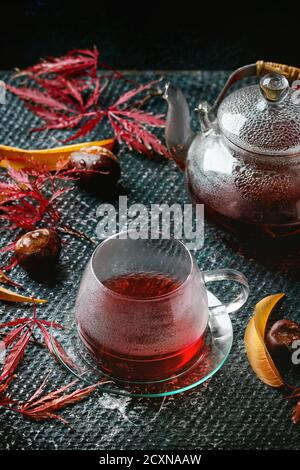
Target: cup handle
(228,275)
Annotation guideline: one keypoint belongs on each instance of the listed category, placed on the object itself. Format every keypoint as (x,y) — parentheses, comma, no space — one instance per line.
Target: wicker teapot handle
(260,68)
(291,73)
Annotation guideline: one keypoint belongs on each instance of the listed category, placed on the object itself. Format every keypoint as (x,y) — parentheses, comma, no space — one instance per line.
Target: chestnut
(98,170)
(38,251)
(279,341)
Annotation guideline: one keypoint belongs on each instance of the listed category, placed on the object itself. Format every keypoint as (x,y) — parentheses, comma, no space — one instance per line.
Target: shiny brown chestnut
(37,252)
(98,170)
(279,341)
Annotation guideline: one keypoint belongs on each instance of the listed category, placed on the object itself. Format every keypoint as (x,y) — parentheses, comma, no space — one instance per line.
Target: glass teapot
(244,165)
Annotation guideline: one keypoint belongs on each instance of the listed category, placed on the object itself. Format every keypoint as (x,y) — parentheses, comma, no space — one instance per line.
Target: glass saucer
(84,367)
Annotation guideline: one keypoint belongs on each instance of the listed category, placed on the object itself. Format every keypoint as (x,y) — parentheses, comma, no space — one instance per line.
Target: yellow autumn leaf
(9,295)
(49,158)
(258,355)
(4,279)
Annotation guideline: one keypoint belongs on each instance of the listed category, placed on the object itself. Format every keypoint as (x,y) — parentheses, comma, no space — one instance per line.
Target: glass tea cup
(142,308)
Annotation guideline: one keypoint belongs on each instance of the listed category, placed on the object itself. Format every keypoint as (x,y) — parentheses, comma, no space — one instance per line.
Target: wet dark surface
(234,409)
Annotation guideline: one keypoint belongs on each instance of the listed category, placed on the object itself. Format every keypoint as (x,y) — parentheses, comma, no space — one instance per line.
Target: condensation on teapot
(244,164)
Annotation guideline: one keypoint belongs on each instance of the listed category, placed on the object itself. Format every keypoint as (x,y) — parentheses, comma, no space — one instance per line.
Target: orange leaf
(258,355)
(49,158)
(5,279)
(9,295)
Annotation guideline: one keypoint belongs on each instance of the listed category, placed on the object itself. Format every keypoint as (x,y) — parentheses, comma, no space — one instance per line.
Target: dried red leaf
(142,117)
(48,341)
(28,204)
(38,392)
(21,178)
(16,322)
(18,338)
(4,386)
(45,407)
(73,63)
(95,95)
(75,93)
(16,354)
(70,99)
(48,115)
(132,93)
(136,136)
(61,122)
(87,127)
(13,335)
(29,198)
(5,401)
(39,407)
(38,97)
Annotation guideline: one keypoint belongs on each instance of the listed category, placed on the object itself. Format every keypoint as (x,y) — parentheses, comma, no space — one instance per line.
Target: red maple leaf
(44,407)
(18,338)
(67,95)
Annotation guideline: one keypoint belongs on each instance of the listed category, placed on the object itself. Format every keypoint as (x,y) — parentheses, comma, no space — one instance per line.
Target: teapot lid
(264,119)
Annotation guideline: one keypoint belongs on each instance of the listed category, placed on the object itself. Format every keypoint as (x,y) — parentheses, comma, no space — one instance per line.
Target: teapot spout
(178,131)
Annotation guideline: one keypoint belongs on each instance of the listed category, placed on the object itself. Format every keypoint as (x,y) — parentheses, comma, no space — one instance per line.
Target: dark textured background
(151,35)
(233,410)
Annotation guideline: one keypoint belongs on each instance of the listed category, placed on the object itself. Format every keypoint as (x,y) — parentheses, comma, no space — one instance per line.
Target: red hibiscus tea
(142,285)
(142,307)
(152,345)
